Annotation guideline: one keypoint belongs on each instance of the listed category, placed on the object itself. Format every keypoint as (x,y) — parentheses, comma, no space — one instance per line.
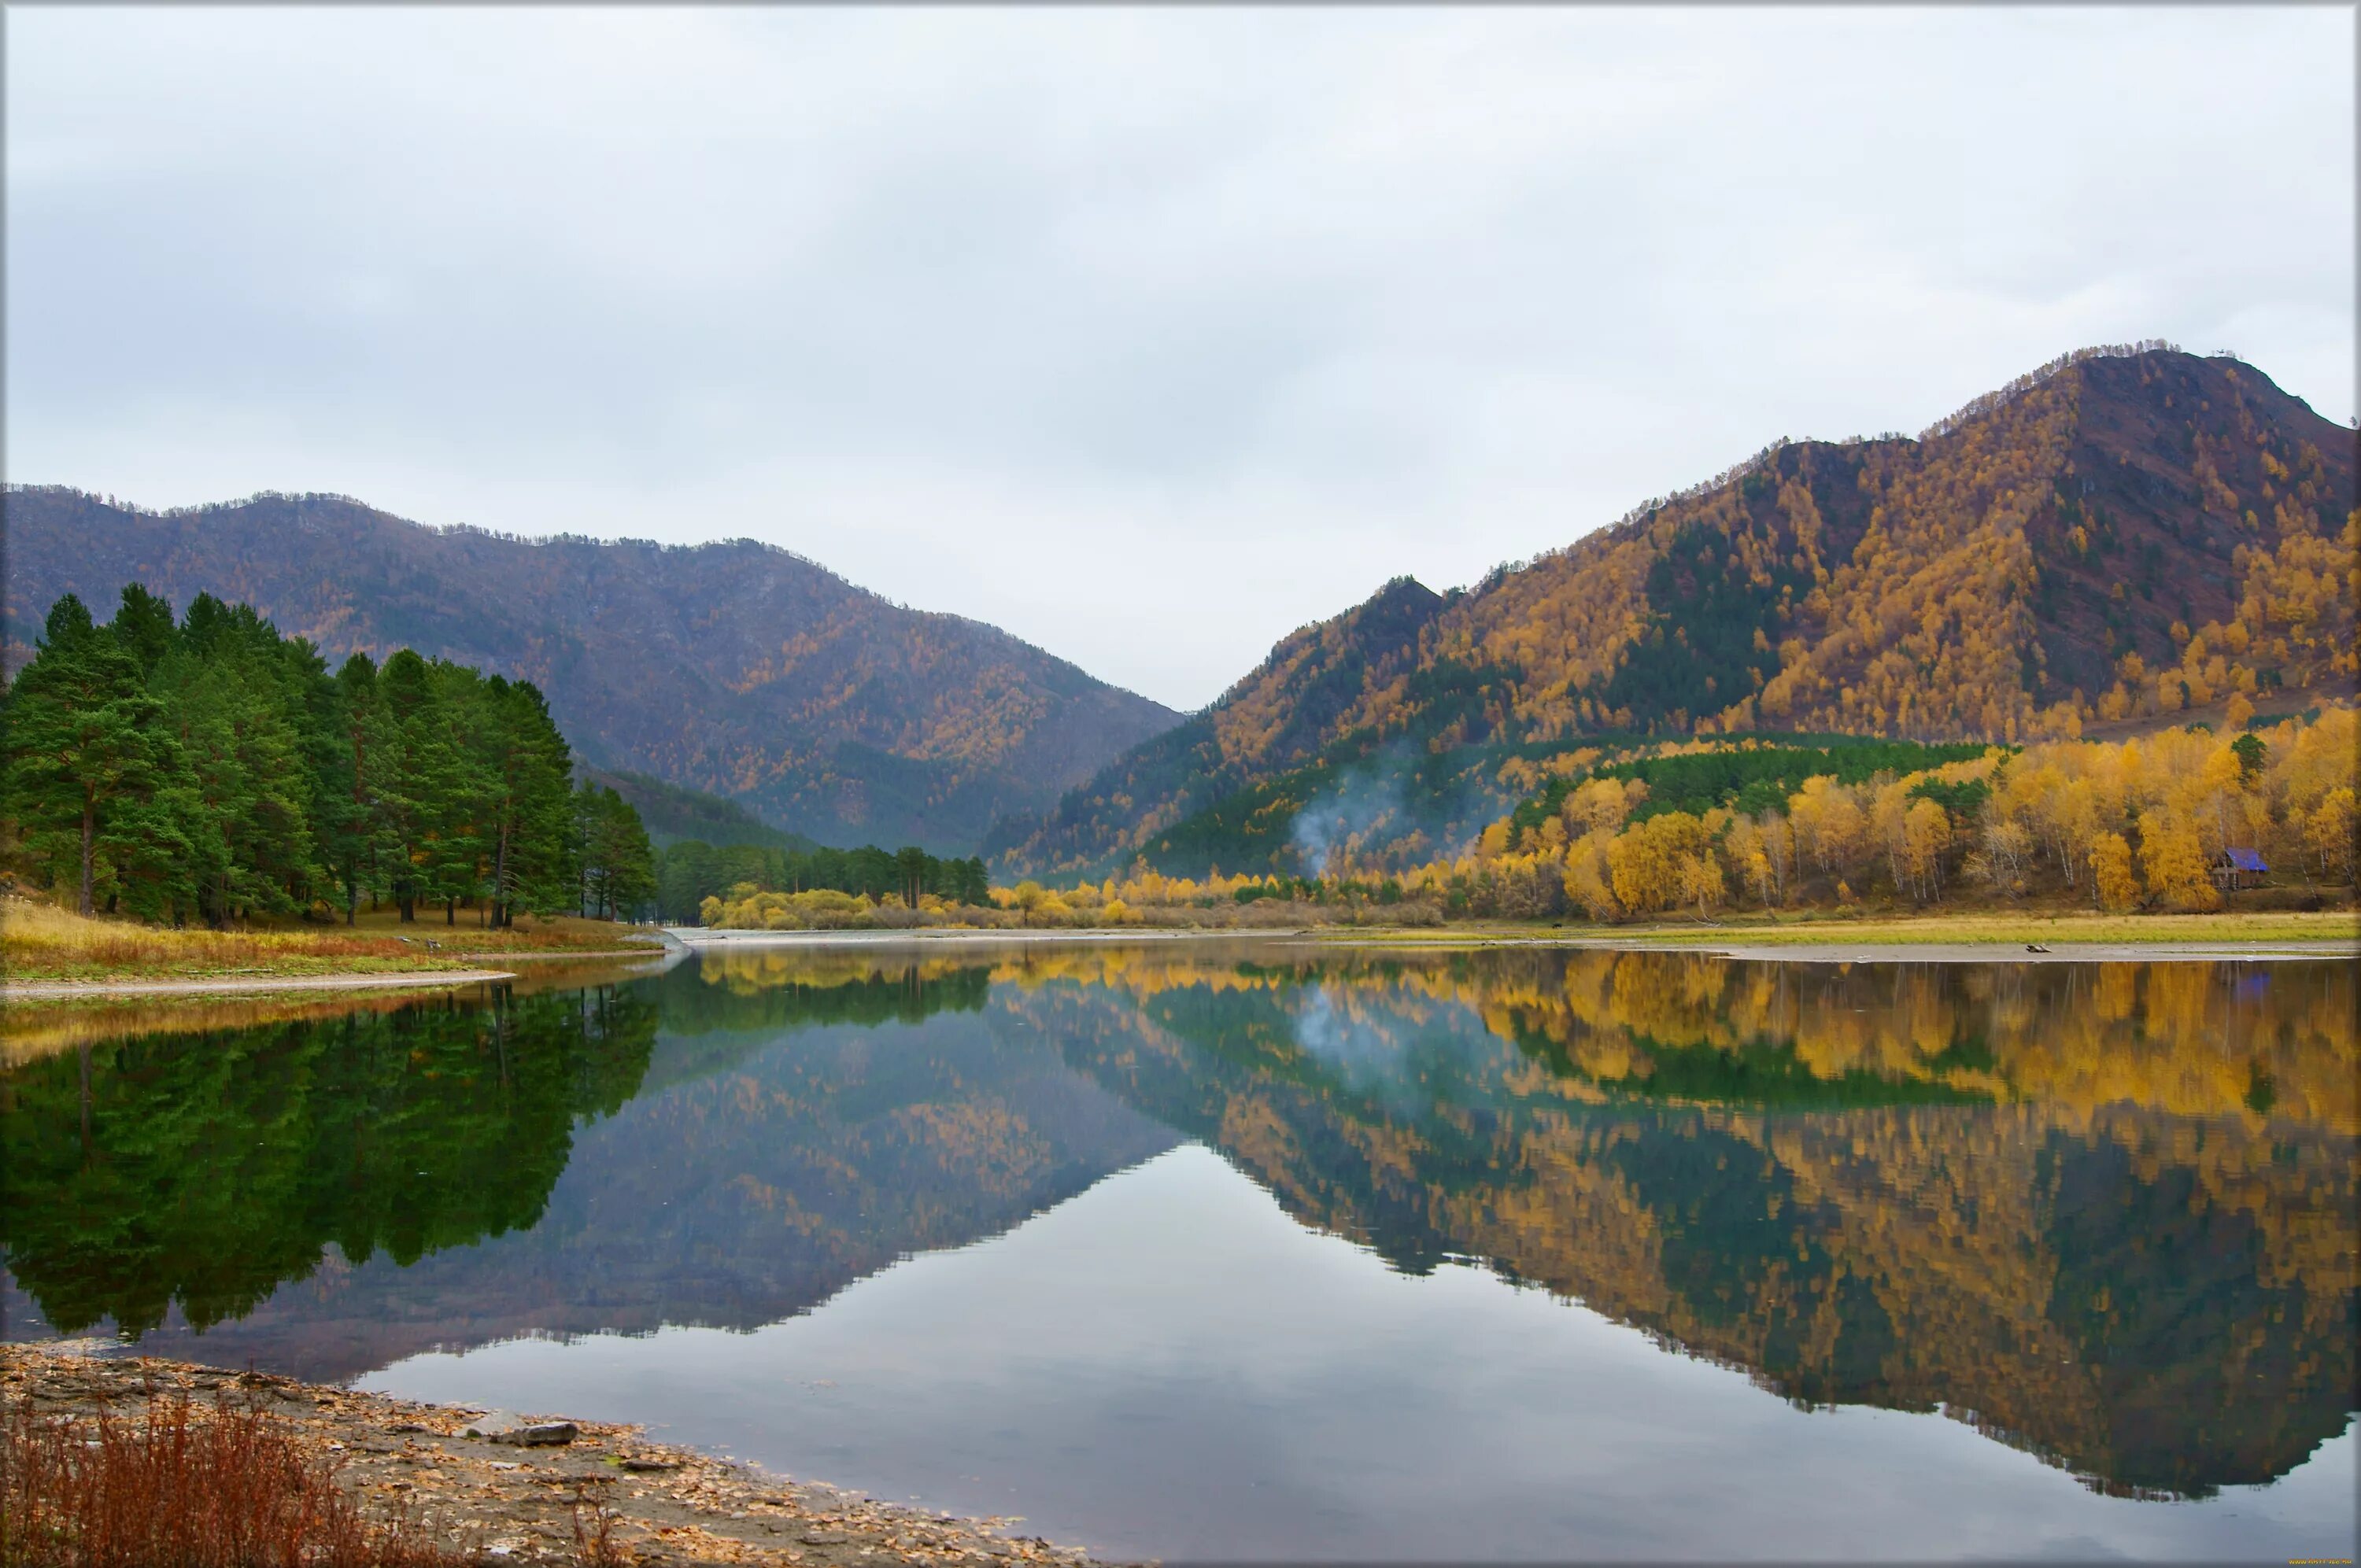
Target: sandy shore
(566,954)
(55,990)
(265,981)
(1832,949)
(517,1504)
(696,937)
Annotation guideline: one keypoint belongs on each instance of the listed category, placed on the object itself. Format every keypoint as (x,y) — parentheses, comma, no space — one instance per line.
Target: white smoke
(1348,817)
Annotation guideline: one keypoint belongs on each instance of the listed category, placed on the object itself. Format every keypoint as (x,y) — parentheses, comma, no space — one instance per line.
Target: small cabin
(2235,869)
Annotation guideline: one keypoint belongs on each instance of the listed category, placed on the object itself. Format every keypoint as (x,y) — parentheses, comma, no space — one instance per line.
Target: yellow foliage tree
(2329,833)
(1644,862)
(2111,871)
(2174,861)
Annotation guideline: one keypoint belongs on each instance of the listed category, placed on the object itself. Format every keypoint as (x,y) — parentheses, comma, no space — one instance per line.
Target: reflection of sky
(1168,1365)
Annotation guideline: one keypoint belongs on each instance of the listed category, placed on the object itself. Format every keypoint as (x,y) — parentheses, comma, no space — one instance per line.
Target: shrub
(218,1487)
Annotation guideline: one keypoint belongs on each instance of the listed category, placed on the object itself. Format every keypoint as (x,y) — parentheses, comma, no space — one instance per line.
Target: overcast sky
(1149,335)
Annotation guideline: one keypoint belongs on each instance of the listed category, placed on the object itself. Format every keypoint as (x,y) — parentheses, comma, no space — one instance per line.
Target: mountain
(674,812)
(734,668)
(2125,531)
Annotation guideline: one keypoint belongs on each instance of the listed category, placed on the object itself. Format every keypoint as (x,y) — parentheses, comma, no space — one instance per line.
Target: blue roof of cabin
(2247,859)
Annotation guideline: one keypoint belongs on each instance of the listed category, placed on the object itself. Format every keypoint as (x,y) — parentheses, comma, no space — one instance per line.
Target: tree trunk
(450,912)
(89,846)
(500,878)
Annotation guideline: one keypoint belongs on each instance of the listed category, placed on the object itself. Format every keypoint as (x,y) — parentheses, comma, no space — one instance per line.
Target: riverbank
(49,952)
(1962,937)
(507,1501)
(223,985)
(1938,939)
(1811,938)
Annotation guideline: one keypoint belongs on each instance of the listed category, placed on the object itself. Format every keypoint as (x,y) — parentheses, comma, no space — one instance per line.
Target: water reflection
(206,1169)
(2109,1212)
(2105,1213)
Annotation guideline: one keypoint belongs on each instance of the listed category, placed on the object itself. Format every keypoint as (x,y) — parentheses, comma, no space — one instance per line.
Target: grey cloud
(1149,334)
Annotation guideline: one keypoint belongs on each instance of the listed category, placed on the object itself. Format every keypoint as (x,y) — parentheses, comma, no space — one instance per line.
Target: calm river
(1265,1251)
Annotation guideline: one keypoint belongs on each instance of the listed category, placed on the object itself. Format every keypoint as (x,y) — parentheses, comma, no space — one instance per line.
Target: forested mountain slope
(2123,531)
(733,668)
(673,813)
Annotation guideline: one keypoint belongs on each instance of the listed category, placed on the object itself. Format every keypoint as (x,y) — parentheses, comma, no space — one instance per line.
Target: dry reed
(39,937)
(223,1486)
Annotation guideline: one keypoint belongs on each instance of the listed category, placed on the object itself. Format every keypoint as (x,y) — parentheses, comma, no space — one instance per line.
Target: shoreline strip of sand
(61,989)
(1833,949)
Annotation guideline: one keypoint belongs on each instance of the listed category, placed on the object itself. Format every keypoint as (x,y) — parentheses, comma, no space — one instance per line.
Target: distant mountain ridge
(2051,555)
(672,812)
(737,669)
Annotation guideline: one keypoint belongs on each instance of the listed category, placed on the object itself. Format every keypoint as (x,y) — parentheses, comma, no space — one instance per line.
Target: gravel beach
(512,1493)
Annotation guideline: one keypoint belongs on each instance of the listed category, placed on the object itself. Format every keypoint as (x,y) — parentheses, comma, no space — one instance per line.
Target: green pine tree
(83,740)
(529,768)
(618,862)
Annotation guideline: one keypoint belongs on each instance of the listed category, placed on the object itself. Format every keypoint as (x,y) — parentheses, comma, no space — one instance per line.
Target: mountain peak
(2123,531)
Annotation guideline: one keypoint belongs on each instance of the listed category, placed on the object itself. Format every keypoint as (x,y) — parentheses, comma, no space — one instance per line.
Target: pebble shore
(513,1493)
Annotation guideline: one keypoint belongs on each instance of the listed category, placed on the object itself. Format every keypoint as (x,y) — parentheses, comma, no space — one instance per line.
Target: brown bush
(190,1486)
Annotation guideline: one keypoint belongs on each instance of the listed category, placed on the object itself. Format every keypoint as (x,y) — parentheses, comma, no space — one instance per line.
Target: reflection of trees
(2249,1041)
(208,1168)
(2113,1249)
(2253,1041)
(778,988)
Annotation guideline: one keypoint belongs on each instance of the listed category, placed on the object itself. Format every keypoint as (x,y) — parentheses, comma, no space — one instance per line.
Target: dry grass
(40,941)
(195,1487)
(531,933)
(2279,927)
(595,1545)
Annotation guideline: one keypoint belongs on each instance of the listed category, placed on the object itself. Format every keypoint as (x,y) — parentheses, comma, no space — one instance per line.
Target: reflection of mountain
(2156,1301)
(781,1150)
(2106,1212)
